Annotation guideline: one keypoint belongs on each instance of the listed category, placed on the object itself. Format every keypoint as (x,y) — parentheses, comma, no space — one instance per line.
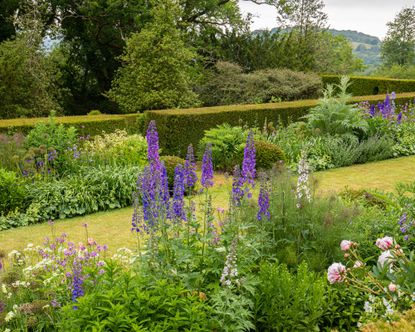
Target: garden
(237,232)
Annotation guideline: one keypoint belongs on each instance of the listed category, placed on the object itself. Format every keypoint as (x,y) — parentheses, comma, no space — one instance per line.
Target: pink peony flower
(385,258)
(385,243)
(345,245)
(392,287)
(336,273)
(358,264)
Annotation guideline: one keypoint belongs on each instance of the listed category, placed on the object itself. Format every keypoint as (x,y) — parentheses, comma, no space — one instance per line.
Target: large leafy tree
(398,47)
(158,66)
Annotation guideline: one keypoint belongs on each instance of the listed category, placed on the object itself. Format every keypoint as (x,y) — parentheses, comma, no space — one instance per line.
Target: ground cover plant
(198,267)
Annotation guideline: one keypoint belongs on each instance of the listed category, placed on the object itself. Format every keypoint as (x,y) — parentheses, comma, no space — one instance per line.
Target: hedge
(364,86)
(86,124)
(178,128)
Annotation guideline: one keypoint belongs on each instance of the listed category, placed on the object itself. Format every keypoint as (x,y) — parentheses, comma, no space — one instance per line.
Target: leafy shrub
(123,301)
(267,154)
(92,190)
(227,143)
(287,301)
(12,191)
(11,151)
(227,84)
(51,135)
(117,148)
(94,112)
(334,115)
(170,162)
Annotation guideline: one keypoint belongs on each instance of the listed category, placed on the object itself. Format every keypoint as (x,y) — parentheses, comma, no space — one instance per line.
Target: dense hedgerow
(178,128)
(365,86)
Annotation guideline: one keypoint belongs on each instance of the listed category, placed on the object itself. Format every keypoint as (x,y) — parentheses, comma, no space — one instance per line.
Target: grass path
(113,227)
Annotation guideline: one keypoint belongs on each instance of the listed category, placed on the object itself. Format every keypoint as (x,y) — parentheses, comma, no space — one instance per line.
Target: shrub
(170,162)
(267,154)
(92,190)
(124,300)
(227,84)
(12,192)
(334,115)
(94,112)
(287,301)
(366,86)
(227,144)
(11,151)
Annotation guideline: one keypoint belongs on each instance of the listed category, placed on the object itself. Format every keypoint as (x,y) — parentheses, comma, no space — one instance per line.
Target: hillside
(365,46)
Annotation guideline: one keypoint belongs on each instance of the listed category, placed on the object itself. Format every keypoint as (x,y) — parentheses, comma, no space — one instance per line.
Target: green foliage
(227,144)
(178,128)
(94,112)
(397,71)
(158,67)
(287,301)
(334,115)
(124,301)
(170,162)
(365,86)
(26,88)
(398,47)
(226,84)
(94,189)
(11,151)
(267,154)
(85,125)
(51,135)
(12,192)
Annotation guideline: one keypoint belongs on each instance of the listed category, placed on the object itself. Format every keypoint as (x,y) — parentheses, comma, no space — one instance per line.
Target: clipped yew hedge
(178,128)
(364,86)
(85,124)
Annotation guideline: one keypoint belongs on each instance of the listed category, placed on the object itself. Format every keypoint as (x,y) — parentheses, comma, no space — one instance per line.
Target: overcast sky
(368,16)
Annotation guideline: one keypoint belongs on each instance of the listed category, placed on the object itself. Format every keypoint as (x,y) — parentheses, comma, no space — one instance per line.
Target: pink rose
(392,287)
(336,273)
(345,245)
(385,243)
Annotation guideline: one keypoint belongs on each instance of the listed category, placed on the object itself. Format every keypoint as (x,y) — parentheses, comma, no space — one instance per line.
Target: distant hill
(364,46)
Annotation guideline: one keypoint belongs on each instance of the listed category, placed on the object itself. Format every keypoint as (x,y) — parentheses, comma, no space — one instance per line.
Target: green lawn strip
(382,175)
(113,227)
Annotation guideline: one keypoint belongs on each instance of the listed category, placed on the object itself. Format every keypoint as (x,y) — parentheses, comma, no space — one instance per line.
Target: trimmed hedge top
(364,85)
(86,124)
(180,127)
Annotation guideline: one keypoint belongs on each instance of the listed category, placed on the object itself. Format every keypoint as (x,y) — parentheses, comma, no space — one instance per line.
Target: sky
(367,16)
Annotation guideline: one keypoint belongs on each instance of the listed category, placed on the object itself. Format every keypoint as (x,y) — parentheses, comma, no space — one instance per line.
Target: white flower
(10,315)
(392,287)
(4,288)
(358,264)
(385,258)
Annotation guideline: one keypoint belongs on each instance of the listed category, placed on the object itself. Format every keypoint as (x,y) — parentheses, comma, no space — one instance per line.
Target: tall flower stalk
(207,168)
(248,171)
(190,177)
(263,201)
(303,192)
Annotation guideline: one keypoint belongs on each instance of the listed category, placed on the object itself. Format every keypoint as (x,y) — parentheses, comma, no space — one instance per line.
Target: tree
(398,47)
(158,66)
(26,88)
(7,10)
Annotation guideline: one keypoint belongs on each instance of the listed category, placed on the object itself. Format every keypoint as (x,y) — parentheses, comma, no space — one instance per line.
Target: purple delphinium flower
(399,118)
(190,176)
(372,111)
(164,188)
(153,145)
(77,290)
(263,199)
(207,168)
(237,186)
(178,194)
(248,164)
(393,95)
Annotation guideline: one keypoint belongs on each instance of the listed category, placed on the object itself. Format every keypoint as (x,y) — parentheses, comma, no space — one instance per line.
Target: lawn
(113,227)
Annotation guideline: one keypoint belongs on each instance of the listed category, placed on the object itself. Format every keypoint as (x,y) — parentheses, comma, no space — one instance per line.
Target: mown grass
(113,227)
